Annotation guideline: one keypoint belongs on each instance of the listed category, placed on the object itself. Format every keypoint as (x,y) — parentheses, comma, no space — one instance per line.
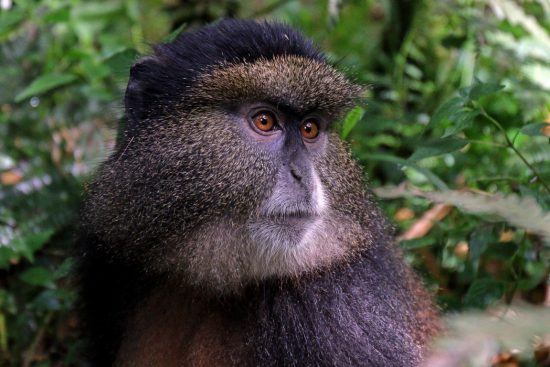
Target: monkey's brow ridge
(301,84)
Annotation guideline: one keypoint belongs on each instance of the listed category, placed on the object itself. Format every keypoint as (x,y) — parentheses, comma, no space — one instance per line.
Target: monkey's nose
(295,171)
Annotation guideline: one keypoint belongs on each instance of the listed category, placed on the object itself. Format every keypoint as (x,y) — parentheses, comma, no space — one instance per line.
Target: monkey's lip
(295,217)
(292,215)
(297,213)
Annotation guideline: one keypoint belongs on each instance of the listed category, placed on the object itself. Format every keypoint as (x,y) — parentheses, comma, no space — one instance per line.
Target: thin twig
(424,225)
(511,146)
(29,354)
(495,178)
(420,229)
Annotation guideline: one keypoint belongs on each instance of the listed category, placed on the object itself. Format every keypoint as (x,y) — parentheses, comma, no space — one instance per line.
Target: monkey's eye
(264,120)
(309,129)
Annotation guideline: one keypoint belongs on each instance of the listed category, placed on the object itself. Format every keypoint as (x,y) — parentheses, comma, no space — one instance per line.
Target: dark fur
(169,180)
(167,78)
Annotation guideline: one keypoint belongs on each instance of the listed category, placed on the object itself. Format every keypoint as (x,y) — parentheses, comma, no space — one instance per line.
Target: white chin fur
(281,247)
(226,255)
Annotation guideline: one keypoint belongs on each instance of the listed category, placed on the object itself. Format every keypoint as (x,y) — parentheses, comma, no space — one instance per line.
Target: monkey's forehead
(302,84)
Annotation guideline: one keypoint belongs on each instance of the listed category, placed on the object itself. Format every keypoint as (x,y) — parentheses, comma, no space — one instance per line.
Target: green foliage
(483,292)
(351,119)
(534,129)
(476,339)
(455,107)
(43,84)
(437,147)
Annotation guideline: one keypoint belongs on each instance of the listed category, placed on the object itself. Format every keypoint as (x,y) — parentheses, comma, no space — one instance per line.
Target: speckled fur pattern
(299,83)
(193,221)
(172,251)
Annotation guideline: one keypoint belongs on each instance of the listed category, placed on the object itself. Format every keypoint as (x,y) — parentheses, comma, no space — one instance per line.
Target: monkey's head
(228,169)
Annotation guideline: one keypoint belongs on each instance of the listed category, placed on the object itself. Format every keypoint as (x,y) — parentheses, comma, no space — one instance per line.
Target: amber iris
(264,120)
(309,129)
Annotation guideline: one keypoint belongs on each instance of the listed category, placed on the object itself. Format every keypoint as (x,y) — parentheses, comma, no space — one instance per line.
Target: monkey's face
(294,200)
(287,188)
(245,180)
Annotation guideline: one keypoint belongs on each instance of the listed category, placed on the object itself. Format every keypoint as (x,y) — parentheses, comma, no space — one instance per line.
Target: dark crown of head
(163,78)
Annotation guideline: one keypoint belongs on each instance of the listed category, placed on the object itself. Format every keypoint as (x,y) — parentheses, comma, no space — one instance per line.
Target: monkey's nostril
(296,175)
(295,172)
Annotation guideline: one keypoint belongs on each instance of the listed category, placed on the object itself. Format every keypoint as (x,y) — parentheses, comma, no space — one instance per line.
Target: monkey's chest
(166,333)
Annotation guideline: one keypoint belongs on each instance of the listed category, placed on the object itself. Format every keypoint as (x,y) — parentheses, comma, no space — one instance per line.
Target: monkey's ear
(142,93)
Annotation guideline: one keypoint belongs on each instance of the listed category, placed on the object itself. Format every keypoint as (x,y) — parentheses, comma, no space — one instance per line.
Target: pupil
(263,120)
(307,128)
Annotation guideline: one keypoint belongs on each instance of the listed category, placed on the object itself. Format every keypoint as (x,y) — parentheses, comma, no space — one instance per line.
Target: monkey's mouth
(295,214)
(292,209)
(295,218)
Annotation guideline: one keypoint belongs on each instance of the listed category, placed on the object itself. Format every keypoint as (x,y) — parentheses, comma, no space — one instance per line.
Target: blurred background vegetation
(454,138)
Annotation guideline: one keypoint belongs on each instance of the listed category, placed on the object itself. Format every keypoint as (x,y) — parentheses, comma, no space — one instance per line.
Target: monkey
(231,226)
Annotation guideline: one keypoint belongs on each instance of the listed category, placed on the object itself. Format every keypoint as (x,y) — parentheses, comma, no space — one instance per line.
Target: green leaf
(64,269)
(92,10)
(9,20)
(120,62)
(479,90)
(3,334)
(452,106)
(483,292)
(7,254)
(38,276)
(59,15)
(479,241)
(536,271)
(351,119)
(461,120)
(43,84)
(37,240)
(501,251)
(29,243)
(453,41)
(417,243)
(175,33)
(432,177)
(438,147)
(534,129)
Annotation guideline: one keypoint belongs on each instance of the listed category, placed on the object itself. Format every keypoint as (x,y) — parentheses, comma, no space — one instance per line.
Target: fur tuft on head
(166,77)
(297,83)
(197,180)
